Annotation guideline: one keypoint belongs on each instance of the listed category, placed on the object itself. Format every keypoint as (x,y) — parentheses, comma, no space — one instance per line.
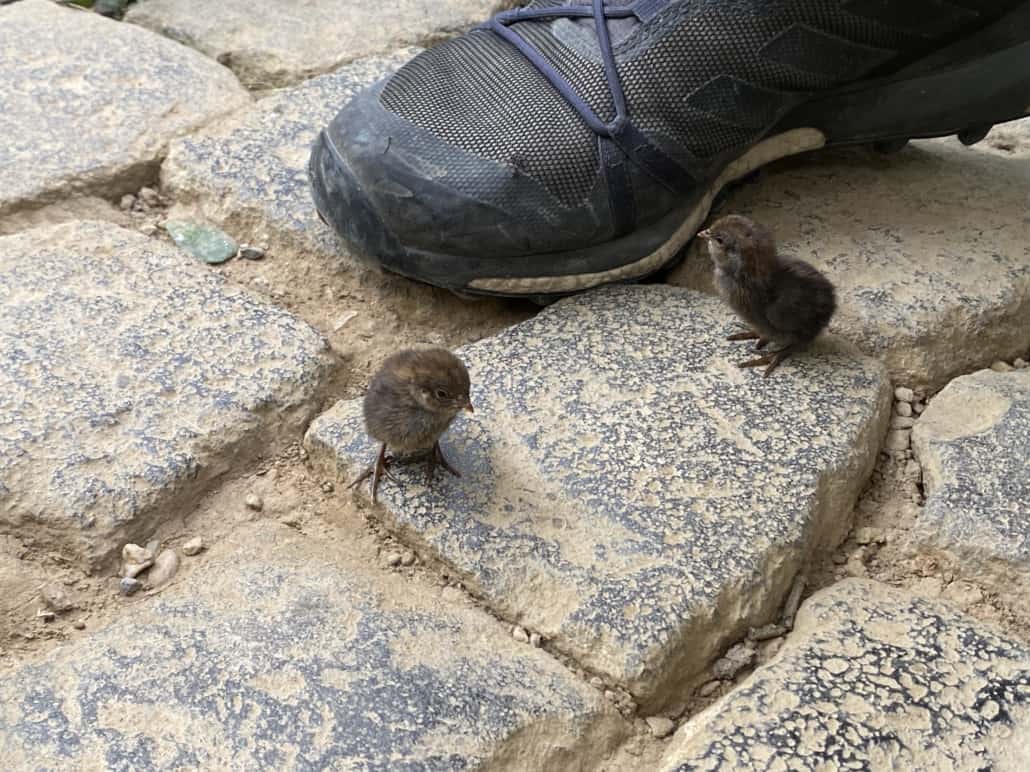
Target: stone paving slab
(130,377)
(88,105)
(973,442)
(269,43)
(627,490)
(871,679)
(928,249)
(269,656)
(249,174)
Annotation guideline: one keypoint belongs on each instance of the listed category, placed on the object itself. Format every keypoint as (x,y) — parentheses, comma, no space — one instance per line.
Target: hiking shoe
(564,146)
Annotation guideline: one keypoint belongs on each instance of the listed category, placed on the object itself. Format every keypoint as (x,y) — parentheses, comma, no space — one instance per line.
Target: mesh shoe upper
(701,77)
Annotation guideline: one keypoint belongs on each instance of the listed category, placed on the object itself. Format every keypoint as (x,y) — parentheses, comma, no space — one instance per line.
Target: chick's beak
(468,406)
(704,235)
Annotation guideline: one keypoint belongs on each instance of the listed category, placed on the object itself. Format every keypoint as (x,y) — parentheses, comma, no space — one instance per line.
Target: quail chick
(410,402)
(782,299)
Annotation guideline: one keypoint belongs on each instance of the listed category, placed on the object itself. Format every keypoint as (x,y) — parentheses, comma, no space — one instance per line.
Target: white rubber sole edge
(768,150)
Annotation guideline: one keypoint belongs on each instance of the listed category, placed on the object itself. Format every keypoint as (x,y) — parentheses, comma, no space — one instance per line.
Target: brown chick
(410,402)
(781,298)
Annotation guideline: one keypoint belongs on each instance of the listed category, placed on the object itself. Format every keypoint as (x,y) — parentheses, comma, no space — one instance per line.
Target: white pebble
(904,394)
(165,566)
(342,319)
(407,558)
(253,501)
(903,409)
(898,439)
(660,726)
(535,639)
(870,536)
(327,487)
(1001,367)
(918,407)
(248,252)
(392,559)
(149,196)
(709,688)
(1019,364)
(193,547)
(902,422)
(519,634)
(596,682)
(127,202)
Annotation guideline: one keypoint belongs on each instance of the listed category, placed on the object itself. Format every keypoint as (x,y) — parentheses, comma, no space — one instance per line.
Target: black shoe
(552,150)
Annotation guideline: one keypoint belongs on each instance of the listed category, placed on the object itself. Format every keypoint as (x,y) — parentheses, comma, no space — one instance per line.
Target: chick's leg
(750,335)
(436,456)
(772,359)
(376,471)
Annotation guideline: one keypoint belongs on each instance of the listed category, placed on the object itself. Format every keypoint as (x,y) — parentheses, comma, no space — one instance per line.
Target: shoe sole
(879,112)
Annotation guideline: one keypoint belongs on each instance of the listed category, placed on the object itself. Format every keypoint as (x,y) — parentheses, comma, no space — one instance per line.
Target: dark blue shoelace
(500,24)
(620,129)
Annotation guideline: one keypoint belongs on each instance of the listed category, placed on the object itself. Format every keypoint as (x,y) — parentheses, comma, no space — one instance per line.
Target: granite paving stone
(88,105)
(249,174)
(269,655)
(627,491)
(871,678)
(927,247)
(973,442)
(269,44)
(130,378)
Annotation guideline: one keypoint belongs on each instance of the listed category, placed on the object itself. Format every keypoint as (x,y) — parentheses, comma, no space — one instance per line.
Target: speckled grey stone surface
(249,175)
(131,376)
(871,679)
(88,105)
(270,44)
(927,247)
(627,490)
(973,442)
(268,657)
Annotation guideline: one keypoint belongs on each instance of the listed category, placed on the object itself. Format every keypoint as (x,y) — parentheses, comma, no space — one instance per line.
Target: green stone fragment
(209,244)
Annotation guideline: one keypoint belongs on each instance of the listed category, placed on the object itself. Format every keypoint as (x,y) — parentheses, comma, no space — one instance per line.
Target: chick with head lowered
(411,400)
(782,299)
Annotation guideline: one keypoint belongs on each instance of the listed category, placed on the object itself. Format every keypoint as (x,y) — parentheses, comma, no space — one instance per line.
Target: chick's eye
(441,394)
(719,240)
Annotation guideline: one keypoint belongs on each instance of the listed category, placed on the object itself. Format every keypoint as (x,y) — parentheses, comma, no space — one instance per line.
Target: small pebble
(1019,364)
(840,558)
(149,196)
(596,682)
(129,585)
(210,244)
(535,639)
(1001,367)
(870,536)
(302,454)
(165,566)
(735,660)
(148,230)
(78,624)
(407,558)
(903,422)
(127,202)
(55,598)
(392,559)
(918,407)
(253,501)
(520,634)
(327,487)
(193,546)
(248,252)
(135,560)
(904,394)
(342,319)
(898,439)
(611,696)
(660,726)
(903,409)
(46,614)
(709,688)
